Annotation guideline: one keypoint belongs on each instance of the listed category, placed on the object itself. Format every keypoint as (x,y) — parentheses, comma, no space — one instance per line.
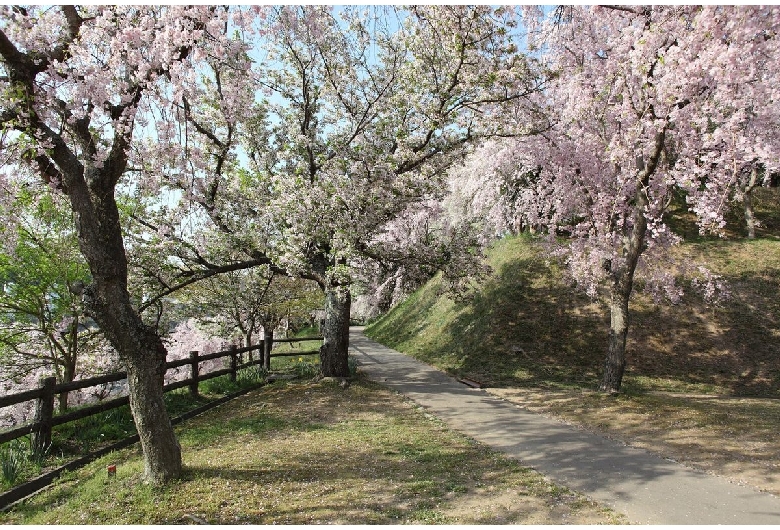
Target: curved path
(646,488)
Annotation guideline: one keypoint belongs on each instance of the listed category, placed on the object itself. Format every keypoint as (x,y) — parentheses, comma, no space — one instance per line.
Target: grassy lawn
(80,437)
(701,386)
(306,452)
(77,438)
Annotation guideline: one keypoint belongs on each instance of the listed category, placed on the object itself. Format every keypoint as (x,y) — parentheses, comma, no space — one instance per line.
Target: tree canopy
(315,142)
(644,104)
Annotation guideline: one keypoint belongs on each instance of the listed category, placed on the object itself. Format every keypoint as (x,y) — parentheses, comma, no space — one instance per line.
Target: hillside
(525,327)
(701,386)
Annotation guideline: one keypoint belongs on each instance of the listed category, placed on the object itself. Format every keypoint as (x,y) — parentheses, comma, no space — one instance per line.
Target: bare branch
(196,276)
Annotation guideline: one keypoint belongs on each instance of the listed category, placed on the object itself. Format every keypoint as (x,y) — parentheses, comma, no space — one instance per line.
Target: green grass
(80,437)
(301,453)
(508,333)
(525,327)
(701,383)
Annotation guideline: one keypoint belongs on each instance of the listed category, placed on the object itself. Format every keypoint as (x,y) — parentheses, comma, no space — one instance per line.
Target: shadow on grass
(525,327)
(537,331)
(375,461)
(558,336)
(521,328)
(732,347)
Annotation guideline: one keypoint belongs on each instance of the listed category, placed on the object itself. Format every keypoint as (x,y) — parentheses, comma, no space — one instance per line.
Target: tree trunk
(750,217)
(248,343)
(334,351)
(68,375)
(69,368)
(615,363)
(143,355)
(268,342)
(140,348)
(162,452)
(620,294)
(747,200)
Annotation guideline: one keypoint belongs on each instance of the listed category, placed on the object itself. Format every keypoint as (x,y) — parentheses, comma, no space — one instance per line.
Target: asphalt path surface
(646,488)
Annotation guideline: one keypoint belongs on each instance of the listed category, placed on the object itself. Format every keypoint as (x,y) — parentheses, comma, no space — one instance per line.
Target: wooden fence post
(194,373)
(44,412)
(233,362)
(268,342)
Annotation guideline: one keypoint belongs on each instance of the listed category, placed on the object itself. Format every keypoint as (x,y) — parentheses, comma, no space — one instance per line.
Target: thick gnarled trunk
(143,355)
(140,348)
(162,452)
(334,353)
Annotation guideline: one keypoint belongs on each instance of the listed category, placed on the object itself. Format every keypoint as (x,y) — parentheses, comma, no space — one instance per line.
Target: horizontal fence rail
(45,420)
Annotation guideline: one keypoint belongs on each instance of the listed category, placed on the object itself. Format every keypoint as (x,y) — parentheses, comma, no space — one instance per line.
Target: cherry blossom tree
(360,113)
(645,101)
(485,192)
(423,240)
(78,89)
(246,302)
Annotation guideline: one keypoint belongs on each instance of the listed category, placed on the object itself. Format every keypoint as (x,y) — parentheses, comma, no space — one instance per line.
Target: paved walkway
(646,488)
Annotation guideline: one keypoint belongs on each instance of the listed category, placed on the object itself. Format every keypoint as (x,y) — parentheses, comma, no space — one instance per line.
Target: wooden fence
(45,420)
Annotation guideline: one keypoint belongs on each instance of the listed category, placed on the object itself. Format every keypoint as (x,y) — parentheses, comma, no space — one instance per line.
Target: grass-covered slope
(525,327)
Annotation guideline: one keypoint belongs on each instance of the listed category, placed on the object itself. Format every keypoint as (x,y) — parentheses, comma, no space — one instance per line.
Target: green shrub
(306,368)
(254,375)
(37,455)
(219,385)
(86,433)
(12,461)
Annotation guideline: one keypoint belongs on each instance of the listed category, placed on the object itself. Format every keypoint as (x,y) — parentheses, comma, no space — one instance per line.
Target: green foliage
(307,331)
(38,455)
(86,434)
(39,316)
(306,367)
(20,461)
(246,378)
(179,401)
(221,385)
(11,462)
(254,375)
